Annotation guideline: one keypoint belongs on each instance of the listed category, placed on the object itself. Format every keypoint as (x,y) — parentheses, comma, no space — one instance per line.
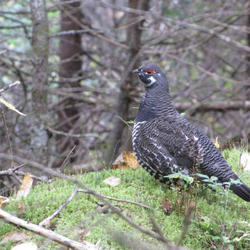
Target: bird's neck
(155,103)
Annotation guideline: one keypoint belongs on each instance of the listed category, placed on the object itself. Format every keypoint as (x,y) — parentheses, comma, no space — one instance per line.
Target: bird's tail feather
(242,190)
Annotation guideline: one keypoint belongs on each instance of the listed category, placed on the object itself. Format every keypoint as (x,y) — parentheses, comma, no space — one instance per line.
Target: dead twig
(71,135)
(116,199)
(157,229)
(65,161)
(10,171)
(11,85)
(131,241)
(46,222)
(186,223)
(45,232)
(15,171)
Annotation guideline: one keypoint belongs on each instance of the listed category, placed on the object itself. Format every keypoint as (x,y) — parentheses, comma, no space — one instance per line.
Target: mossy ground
(221,219)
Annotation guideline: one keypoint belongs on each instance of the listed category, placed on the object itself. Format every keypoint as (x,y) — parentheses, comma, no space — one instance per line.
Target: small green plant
(180,176)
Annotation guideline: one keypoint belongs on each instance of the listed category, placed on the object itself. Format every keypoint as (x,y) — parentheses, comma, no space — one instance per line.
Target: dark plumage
(165,142)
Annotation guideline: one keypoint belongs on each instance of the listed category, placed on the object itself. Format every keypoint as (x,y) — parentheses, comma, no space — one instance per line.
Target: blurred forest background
(74,61)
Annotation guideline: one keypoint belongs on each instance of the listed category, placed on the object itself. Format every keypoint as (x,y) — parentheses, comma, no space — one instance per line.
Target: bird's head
(150,75)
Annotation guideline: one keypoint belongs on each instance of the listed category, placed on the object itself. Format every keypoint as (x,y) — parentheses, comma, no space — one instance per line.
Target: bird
(166,143)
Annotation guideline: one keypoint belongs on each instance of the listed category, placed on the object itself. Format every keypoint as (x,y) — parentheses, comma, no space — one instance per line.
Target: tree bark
(246,134)
(121,138)
(71,63)
(248,54)
(40,46)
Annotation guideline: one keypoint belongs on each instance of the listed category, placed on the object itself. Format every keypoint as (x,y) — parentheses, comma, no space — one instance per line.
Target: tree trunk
(121,138)
(247,134)
(70,69)
(40,45)
(248,54)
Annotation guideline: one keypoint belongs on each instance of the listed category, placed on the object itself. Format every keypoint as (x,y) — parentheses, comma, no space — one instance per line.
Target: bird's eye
(149,71)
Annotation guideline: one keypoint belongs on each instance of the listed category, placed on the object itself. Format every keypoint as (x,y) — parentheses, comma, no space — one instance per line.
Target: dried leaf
(131,160)
(167,207)
(112,181)
(126,160)
(25,246)
(4,201)
(245,161)
(10,106)
(119,162)
(25,188)
(15,236)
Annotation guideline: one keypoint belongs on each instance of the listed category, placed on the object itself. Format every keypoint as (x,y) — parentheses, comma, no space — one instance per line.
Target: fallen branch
(46,222)
(218,106)
(45,232)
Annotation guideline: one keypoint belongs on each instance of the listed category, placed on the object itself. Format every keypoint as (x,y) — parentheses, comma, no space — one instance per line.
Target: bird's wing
(164,147)
(153,156)
(180,138)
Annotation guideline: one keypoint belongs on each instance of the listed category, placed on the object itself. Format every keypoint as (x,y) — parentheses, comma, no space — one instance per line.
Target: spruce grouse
(165,142)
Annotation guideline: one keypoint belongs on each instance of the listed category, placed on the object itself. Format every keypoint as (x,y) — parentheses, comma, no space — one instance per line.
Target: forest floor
(220,219)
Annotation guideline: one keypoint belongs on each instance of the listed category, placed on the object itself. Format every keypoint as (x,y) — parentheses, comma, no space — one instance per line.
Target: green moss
(220,217)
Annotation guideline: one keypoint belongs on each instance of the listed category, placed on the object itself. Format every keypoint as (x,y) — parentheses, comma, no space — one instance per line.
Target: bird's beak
(136,71)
